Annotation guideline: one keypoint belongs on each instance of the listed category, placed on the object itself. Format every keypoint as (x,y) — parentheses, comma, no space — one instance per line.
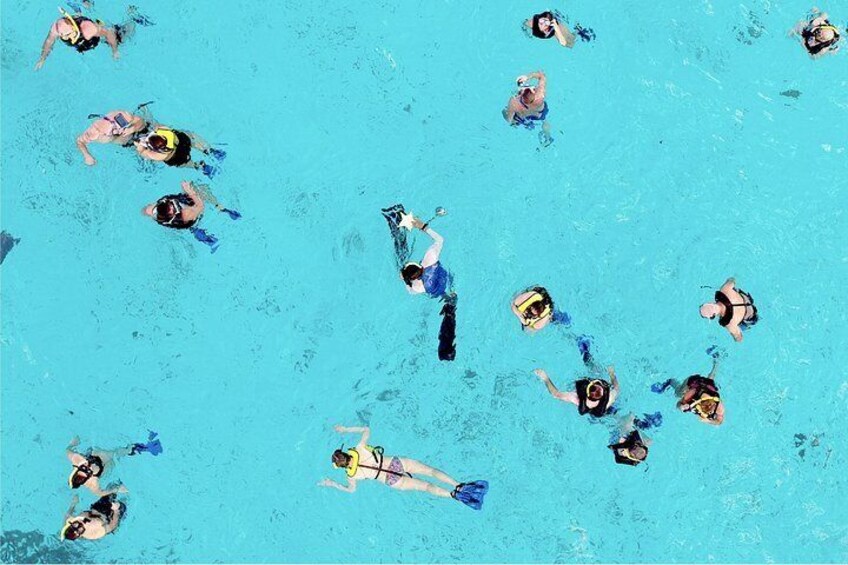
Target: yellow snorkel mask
(168,135)
(76,33)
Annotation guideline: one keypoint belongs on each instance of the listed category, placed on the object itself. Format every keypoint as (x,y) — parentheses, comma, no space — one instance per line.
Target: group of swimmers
(593,395)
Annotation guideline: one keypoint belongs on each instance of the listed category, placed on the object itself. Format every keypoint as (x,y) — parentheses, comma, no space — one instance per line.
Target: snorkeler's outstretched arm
(563,34)
(555,392)
(616,387)
(47,46)
(109,35)
(364,430)
(351,485)
(432,255)
(543,82)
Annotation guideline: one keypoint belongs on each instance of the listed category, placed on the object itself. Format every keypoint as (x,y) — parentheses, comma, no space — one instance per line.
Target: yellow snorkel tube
(77,32)
(696,406)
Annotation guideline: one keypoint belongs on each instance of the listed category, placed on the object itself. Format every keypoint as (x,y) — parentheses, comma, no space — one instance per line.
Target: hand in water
(116,55)
(90,161)
(39,64)
(543,376)
(339,428)
(325,483)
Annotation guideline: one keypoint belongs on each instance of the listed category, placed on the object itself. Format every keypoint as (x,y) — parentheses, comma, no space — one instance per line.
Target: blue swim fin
(561,317)
(208,169)
(203,236)
(471,494)
(153,446)
(218,154)
(649,421)
(660,388)
(232,213)
(140,19)
(583,344)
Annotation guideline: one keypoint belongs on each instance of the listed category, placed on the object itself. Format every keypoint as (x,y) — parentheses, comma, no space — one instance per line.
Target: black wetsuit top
(702,386)
(580,387)
(179,201)
(182,153)
(809,33)
(82,45)
(631,441)
(95,460)
(537,32)
(721,298)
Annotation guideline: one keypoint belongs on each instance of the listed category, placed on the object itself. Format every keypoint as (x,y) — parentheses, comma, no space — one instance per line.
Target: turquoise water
(677,163)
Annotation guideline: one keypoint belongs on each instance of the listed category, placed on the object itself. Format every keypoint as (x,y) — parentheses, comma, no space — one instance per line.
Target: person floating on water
(818,35)
(631,447)
(528,106)
(364,462)
(84,34)
(91,466)
(119,127)
(734,308)
(591,396)
(173,147)
(428,277)
(548,25)
(535,309)
(698,394)
(183,211)
(102,518)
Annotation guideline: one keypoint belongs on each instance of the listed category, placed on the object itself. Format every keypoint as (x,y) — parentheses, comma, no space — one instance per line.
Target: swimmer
(119,127)
(591,396)
(91,466)
(428,277)
(631,447)
(364,462)
(528,106)
(534,308)
(102,518)
(734,308)
(699,395)
(546,25)
(173,147)
(177,211)
(84,34)
(818,35)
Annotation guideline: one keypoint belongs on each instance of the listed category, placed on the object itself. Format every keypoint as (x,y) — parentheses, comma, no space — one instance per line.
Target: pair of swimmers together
(151,140)
(818,36)
(88,468)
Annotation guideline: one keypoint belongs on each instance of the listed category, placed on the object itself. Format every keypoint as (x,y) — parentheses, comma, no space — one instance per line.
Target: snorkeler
(734,308)
(91,466)
(364,462)
(698,394)
(535,309)
(83,34)
(528,106)
(429,277)
(173,147)
(818,35)
(102,518)
(591,396)
(183,211)
(119,127)
(631,448)
(546,25)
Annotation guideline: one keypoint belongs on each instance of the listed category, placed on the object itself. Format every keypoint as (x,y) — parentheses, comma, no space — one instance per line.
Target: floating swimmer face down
(411,272)
(709,310)
(340,459)
(595,392)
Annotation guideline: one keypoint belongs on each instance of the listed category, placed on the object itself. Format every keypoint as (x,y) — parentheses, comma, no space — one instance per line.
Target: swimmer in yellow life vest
(173,147)
(699,395)
(534,309)
(84,34)
(365,462)
(817,34)
(592,396)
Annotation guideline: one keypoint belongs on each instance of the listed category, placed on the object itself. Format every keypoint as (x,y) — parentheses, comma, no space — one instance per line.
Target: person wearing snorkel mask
(90,467)
(428,277)
(697,394)
(177,211)
(102,518)
(173,147)
(631,447)
(818,35)
(734,308)
(119,127)
(365,462)
(84,34)
(591,396)
(528,106)
(546,26)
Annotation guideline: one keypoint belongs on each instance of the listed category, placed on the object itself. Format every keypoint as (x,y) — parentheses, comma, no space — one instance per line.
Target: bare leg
(411,483)
(418,468)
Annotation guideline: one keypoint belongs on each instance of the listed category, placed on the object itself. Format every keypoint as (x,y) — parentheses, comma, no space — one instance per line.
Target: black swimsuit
(178,201)
(581,388)
(632,440)
(729,307)
(182,152)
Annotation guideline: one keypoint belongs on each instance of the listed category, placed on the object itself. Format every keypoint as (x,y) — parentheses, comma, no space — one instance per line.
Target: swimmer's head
(411,272)
(157,143)
(340,459)
(824,34)
(535,310)
(638,452)
(709,310)
(73,530)
(527,95)
(707,408)
(595,391)
(82,473)
(65,30)
(164,212)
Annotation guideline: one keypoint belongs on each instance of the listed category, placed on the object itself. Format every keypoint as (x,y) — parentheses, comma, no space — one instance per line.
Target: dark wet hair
(341,459)
(157,142)
(72,533)
(595,392)
(164,212)
(537,308)
(411,272)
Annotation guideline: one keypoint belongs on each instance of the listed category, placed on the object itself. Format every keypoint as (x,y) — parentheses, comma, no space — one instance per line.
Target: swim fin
(218,154)
(140,19)
(232,213)
(393,215)
(208,169)
(203,236)
(649,421)
(153,446)
(447,331)
(584,343)
(561,317)
(660,388)
(471,494)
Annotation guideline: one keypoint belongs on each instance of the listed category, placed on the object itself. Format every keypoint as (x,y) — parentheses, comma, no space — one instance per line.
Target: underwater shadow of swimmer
(17,546)
(7,242)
